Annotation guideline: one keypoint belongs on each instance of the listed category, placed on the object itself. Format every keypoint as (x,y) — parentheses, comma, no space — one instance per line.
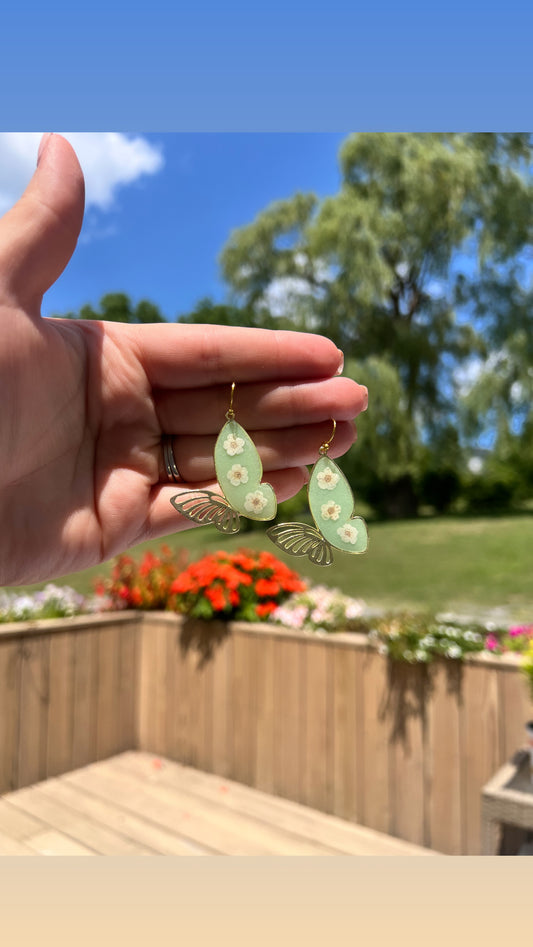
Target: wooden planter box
(324,720)
(507,803)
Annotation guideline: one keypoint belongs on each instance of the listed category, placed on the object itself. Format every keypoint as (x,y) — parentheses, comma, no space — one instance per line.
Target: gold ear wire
(230,413)
(323,449)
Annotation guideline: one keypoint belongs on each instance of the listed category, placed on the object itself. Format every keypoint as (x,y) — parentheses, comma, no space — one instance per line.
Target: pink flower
(491,643)
(518,630)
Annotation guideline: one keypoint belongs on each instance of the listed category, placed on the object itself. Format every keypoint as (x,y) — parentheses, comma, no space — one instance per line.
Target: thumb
(39,234)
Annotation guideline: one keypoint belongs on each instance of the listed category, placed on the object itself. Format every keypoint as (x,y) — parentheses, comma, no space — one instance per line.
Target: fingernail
(42,145)
(306,474)
(341,363)
(365,396)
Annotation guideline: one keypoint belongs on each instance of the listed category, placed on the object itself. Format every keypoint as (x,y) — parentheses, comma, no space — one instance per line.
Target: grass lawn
(443,563)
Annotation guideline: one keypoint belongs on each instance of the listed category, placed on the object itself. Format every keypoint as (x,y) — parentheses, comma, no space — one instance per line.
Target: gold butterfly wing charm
(239,472)
(207,509)
(301,539)
(336,527)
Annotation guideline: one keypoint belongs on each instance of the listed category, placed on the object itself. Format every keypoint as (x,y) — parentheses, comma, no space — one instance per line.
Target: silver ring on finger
(171,467)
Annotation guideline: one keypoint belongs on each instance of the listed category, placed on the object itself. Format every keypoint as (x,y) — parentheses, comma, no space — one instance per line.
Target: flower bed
(52,602)
(256,586)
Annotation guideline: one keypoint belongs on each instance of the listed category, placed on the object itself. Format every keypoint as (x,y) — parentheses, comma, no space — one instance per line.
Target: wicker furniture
(507,804)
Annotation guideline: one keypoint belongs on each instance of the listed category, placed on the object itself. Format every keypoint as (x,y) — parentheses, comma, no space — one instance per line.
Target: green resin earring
(331,502)
(238,470)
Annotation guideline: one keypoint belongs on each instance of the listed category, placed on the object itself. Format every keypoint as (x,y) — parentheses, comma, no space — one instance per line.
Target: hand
(86,403)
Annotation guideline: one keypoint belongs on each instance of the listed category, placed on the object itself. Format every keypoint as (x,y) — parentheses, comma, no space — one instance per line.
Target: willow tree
(390,265)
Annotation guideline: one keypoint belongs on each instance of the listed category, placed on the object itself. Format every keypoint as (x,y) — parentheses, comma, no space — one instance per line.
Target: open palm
(85,403)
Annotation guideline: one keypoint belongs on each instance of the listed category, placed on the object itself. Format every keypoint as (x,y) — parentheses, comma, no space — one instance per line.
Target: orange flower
(216,597)
(265,608)
(135,596)
(267,587)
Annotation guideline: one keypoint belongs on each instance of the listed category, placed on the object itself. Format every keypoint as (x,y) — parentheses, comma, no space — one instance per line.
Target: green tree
(383,465)
(118,307)
(498,402)
(207,312)
(389,267)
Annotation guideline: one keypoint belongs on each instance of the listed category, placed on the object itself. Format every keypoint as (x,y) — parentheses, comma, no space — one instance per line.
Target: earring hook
(323,449)
(230,413)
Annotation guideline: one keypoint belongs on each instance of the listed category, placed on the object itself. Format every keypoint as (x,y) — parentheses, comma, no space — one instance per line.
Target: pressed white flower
(255,502)
(347,533)
(233,445)
(237,475)
(327,479)
(330,511)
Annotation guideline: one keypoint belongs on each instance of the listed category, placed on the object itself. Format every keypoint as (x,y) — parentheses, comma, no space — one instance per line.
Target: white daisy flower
(330,511)
(327,478)
(233,445)
(237,475)
(255,502)
(347,533)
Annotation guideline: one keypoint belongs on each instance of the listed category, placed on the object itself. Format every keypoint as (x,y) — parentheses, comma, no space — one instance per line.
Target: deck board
(139,804)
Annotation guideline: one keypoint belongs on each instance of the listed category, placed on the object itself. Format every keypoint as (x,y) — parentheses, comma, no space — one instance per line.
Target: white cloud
(109,160)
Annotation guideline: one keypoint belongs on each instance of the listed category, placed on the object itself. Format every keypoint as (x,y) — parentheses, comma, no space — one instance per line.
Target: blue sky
(284,66)
(160,235)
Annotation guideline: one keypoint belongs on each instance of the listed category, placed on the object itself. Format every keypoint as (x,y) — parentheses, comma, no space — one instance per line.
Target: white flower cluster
(318,609)
(404,639)
(51,602)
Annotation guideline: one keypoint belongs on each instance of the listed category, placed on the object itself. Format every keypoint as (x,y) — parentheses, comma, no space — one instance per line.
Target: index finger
(191,356)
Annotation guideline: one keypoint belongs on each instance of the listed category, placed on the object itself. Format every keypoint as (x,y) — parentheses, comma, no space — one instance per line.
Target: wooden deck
(140,804)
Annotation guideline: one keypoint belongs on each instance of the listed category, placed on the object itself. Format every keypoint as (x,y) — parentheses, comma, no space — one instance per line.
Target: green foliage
(439,487)
(418,638)
(374,259)
(493,490)
(118,307)
(206,312)
(382,467)
(415,264)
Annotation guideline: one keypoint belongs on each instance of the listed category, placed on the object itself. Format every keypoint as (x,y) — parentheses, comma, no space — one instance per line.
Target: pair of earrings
(239,470)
